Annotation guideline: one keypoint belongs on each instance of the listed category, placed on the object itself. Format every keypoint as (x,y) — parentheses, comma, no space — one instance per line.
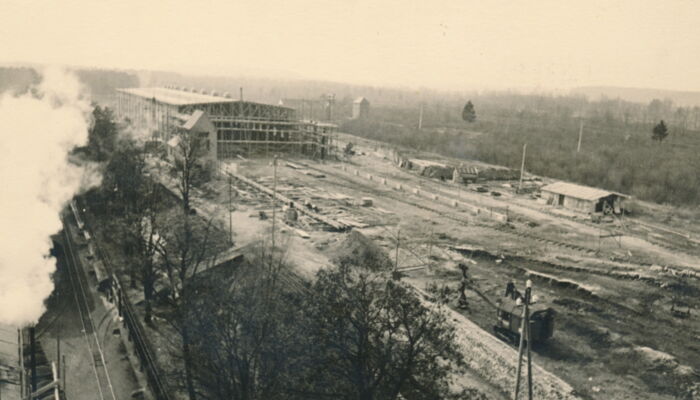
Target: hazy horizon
(445,45)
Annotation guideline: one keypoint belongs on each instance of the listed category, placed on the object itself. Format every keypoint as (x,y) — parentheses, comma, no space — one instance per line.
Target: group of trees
(617,149)
(351,334)
(252,329)
(159,240)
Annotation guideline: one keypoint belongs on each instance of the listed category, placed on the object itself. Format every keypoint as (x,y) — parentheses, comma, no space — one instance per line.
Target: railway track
(143,347)
(105,390)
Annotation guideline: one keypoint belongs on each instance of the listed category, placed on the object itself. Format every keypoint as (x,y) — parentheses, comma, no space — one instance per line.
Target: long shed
(582,198)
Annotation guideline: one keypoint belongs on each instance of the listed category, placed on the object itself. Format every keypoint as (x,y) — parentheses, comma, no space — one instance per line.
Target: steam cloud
(37,131)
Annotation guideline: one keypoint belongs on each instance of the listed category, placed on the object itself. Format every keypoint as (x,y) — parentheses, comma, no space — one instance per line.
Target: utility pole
(63,372)
(580,135)
(274,198)
(32,349)
(420,117)
(331,101)
(529,345)
(396,262)
(522,168)
(430,248)
(230,217)
(240,90)
(525,336)
(58,354)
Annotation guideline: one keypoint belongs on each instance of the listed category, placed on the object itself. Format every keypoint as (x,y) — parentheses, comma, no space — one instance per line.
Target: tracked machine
(509,313)
(509,319)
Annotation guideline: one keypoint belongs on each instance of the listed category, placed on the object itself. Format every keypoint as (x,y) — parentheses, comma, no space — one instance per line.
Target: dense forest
(617,149)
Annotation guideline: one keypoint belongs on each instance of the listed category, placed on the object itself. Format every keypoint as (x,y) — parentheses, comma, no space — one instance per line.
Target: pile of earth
(356,249)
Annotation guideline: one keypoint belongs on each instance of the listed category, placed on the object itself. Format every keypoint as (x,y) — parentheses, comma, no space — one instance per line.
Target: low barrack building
(240,128)
(582,198)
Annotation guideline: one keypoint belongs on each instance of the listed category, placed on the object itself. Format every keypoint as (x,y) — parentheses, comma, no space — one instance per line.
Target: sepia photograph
(349,200)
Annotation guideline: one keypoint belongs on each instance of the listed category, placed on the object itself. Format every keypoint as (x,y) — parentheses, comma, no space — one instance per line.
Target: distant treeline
(617,151)
(17,80)
(101,84)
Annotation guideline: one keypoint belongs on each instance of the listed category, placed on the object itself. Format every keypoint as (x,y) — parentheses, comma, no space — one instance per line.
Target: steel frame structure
(243,128)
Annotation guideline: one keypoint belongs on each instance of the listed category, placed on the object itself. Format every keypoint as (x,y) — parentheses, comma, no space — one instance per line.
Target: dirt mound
(656,359)
(358,250)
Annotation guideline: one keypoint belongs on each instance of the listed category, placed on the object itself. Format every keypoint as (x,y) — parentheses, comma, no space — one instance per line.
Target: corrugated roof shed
(578,191)
(468,170)
(175,97)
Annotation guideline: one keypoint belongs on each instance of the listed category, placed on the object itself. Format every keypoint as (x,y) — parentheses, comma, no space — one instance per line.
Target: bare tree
(144,235)
(187,246)
(246,341)
(188,163)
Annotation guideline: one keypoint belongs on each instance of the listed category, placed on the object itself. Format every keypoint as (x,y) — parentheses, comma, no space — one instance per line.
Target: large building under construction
(234,127)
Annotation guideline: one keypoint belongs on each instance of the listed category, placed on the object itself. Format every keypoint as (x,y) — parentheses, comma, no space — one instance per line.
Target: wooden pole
(580,135)
(274,197)
(520,354)
(58,353)
(230,217)
(56,376)
(522,168)
(420,117)
(396,263)
(22,372)
(63,372)
(430,247)
(32,344)
(528,295)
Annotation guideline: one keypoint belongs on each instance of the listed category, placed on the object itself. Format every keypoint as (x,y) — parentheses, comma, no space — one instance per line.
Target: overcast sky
(458,44)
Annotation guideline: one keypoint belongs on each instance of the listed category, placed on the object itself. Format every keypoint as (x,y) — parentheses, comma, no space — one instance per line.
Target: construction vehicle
(509,313)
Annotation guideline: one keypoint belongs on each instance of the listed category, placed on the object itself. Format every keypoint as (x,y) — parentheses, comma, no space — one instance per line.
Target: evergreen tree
(468,113)
(660,131)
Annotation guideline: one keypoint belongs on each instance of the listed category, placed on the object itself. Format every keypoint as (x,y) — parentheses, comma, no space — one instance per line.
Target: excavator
(509,313)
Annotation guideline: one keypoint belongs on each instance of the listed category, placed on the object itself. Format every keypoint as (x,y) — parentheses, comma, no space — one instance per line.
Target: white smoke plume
(37,131)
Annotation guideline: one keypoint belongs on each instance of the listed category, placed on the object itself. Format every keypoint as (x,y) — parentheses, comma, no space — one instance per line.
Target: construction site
(346,200)
(611,296)
(612,283)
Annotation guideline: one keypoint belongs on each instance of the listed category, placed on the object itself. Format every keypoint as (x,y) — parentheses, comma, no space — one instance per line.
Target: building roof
(198,121)
(361,100)
(174,96)
(578,191)
(289,102)
(467,170)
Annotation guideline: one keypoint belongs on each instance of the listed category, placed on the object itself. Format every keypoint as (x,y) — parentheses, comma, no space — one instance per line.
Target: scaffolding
(243,128)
